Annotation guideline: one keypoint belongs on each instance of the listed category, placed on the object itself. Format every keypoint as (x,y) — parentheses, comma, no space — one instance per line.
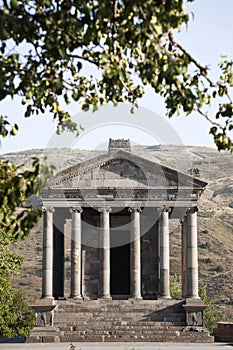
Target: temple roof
(120,158)
(120,178)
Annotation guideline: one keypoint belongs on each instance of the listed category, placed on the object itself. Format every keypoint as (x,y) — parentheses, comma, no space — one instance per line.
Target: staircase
(126,321)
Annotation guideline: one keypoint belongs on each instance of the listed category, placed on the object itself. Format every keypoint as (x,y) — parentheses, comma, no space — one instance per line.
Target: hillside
(215,216)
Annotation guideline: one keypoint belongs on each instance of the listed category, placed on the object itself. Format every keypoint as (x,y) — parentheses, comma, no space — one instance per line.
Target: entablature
(122,194)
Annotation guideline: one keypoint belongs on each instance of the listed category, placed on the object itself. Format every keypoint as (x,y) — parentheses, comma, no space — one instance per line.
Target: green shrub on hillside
(206,245)
(206,213)
(175,287)
(212,314)
(219,268)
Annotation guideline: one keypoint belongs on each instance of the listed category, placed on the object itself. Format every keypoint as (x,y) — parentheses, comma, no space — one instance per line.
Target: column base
(76,297)
(47,300)
(135,298)
(105,297)
(192,297)
(164,297)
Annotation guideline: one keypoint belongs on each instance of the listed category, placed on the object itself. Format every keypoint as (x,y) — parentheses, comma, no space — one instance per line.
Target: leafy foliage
(206,213)
(96,52)
(17,216)
(175,287)
(212,315)
(9,262)
(15,317)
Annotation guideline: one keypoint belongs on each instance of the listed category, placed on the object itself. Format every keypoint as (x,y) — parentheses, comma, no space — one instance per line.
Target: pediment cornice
(147,165)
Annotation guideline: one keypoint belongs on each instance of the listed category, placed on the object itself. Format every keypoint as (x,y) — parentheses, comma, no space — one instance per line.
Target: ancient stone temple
(114,212)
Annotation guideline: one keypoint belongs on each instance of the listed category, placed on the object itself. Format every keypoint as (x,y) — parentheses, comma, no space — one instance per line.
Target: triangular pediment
(123,169)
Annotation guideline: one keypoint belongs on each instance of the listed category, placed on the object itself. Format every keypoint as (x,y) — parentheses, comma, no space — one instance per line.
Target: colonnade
(189,254)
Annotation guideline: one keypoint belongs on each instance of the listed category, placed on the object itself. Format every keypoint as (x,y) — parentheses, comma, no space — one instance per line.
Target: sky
(208,36)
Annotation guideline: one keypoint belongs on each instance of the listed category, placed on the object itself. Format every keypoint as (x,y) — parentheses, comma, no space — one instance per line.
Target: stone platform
(224,332)
(121,320)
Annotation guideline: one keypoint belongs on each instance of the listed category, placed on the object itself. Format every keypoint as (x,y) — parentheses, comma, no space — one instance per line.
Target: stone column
(105,250)
(192,255)
(135,254)
(164,286)
(47,273)
(184,255)
(76,273)
(157,261)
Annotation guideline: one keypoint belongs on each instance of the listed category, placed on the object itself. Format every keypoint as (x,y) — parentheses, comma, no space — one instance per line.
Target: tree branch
(210,120)
(84,59)
(163,48)
(203,69)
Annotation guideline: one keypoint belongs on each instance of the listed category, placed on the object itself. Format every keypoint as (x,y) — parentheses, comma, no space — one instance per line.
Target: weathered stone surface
(123,321)
(223,332)
(33,339)
(194,309)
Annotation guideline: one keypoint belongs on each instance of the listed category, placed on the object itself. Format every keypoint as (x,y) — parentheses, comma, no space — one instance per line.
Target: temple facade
(115,210)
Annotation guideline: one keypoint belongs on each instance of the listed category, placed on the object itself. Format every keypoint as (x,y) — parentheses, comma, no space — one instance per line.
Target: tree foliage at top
(95,52)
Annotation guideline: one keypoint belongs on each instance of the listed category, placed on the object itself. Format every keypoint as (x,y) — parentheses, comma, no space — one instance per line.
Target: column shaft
(76,254)
(164,287)
(157,254)
(47,273)
(135,255)
(184,256)
(192,254)
(105,256)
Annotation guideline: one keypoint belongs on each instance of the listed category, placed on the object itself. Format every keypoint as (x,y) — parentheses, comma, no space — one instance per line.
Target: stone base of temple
(48,334)
(224,332)
(121,320)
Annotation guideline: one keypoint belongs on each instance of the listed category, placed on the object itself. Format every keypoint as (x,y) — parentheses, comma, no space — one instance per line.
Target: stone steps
(120,321)
(186,337)
(110,318)
(120,326)
(126,321)
(113,303)
(121,332)
(121,311)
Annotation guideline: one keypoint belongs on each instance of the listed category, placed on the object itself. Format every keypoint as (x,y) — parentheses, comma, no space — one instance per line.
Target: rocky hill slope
(215,216)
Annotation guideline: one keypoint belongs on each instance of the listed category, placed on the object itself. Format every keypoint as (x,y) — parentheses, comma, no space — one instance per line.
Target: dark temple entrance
(120,263)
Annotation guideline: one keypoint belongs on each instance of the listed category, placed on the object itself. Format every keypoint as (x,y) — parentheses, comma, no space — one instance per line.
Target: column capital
(166,209)
(76,210)
(135,209)
(192,210)
(104,209)
(48,209)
